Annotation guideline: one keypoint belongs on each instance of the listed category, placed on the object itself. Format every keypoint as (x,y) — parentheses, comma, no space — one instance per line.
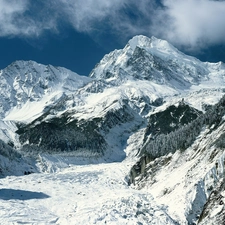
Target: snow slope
(157,61)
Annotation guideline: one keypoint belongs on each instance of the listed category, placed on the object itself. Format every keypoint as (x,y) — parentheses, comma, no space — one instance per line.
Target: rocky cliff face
(214,210)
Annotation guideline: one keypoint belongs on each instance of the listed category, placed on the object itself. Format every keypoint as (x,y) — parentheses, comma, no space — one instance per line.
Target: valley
(139,141)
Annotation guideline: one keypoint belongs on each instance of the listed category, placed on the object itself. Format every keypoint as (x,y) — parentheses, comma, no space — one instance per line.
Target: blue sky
(76,34)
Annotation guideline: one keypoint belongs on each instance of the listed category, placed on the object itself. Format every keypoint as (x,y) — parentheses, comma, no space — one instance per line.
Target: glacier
(78,138)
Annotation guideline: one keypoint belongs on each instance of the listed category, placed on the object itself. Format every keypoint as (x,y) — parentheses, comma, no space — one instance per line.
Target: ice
(88,194)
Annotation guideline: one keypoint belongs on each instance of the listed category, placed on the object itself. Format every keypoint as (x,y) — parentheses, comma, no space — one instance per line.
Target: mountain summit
(151,43)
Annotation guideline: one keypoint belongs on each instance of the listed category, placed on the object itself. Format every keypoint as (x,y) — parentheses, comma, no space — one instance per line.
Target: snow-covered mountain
(157,61)
(25,82)
(132,82)
(132,98)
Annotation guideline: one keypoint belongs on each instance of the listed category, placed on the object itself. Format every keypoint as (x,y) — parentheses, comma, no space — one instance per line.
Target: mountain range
(148,103)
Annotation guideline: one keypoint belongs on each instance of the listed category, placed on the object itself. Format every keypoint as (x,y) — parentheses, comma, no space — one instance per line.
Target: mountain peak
(141,41)
(151,59)
(151,43)
(24,82)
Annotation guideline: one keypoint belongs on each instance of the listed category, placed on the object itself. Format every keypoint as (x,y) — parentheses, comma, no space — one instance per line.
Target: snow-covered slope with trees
(139,100)
(184,170)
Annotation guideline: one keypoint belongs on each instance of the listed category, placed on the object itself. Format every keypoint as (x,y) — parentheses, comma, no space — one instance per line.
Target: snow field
(90,194)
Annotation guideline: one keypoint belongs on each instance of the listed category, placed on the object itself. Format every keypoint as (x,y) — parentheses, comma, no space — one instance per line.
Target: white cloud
(16,19)
(193,23)
(9,10)
(124,18)
(87,15)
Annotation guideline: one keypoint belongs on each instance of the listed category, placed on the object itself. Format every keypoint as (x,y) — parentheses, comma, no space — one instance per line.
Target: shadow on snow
(9,194)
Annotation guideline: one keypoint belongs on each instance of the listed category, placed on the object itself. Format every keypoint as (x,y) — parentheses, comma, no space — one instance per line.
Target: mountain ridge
(31,90)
